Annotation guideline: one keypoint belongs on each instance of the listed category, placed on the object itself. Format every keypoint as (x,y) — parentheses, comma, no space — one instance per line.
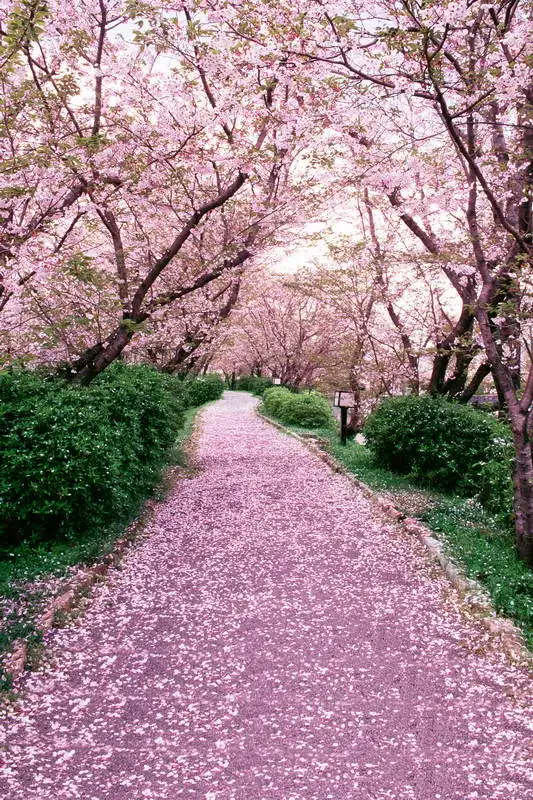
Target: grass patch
(480,543)
(179,455)
(360,461)
(487,553)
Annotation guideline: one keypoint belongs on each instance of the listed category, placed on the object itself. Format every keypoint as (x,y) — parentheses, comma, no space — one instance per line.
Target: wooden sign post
(344,400)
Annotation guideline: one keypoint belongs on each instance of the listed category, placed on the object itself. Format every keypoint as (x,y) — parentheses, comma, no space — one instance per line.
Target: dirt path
(270,641)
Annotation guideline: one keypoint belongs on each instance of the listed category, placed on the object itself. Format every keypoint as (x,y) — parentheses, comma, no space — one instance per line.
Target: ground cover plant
(478,537)
(77,465)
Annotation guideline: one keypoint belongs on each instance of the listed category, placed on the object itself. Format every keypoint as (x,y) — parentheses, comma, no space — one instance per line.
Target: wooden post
(344,424)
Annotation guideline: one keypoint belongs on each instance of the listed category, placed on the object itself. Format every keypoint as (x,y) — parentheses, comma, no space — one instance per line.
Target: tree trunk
(412,358)
(455,384)
(476,380)
(454,342)
(519,418)
(523,486)
(183,359)
(95,360)
(354,418)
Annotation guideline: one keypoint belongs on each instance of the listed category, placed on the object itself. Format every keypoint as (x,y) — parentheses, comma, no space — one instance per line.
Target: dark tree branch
(181,238)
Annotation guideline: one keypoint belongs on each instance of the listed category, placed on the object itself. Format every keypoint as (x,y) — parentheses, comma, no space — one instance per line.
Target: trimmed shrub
(79,459)
(201,390)
(275,398)
(309,410)
(442,444)
(254,384)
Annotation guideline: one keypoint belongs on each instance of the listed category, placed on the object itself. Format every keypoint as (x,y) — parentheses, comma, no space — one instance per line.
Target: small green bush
(254,384)
(493,487)
(443,445)
(201,390)
(309,410)
(275,398)
(78,459)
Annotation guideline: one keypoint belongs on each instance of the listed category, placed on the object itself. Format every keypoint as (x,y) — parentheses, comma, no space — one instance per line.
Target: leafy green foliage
(92,143)
(493,487)
(254,384)
(201,390)
(80,266)
(308,410)
(78,459)
(275,399)
(24,24)
(488,555)
(444,445)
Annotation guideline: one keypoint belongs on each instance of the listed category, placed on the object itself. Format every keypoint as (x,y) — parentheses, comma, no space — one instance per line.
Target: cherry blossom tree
(279,331)
(175,158)
(182,340)
(436,98)
(426,321)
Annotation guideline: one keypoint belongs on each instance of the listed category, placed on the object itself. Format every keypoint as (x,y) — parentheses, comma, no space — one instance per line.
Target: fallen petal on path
(271,640)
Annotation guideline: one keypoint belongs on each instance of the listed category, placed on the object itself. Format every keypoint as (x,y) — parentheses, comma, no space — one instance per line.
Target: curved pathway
(270,640)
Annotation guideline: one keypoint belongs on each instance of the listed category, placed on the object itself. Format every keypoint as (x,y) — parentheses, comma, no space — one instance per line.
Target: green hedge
(308,410)
(444,445)
(76,459)
(275,399)
(202,390)
(253,384)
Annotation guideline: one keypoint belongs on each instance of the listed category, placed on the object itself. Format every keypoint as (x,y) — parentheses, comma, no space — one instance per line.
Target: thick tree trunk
(455,384)
(476,380)
(181,361)
(95,360)
(454,342)
(523,486)
(520,420)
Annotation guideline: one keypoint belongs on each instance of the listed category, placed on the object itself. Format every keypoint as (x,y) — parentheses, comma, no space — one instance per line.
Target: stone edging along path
(15,662)
(509,636)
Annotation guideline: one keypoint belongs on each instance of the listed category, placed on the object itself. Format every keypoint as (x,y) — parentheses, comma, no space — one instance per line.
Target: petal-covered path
(271,640)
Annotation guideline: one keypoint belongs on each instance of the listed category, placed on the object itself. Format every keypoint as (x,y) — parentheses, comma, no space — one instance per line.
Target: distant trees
(281,332)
